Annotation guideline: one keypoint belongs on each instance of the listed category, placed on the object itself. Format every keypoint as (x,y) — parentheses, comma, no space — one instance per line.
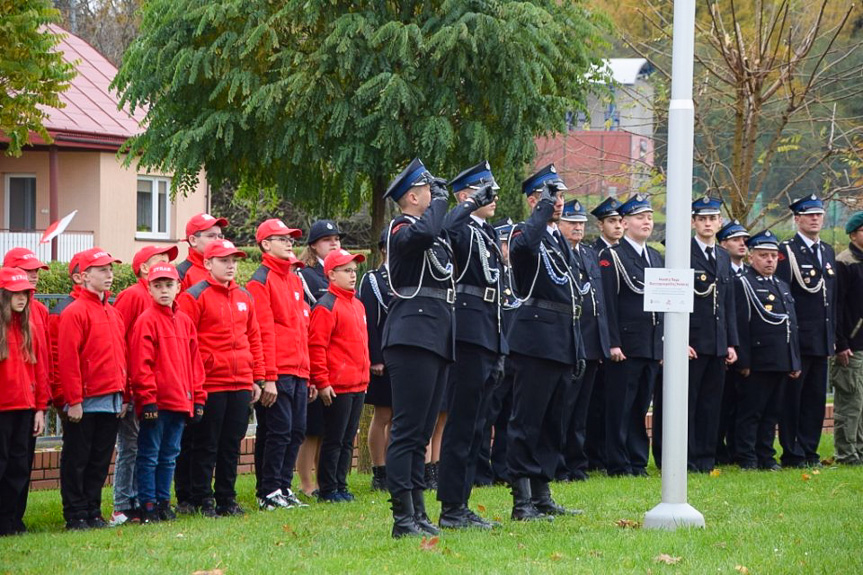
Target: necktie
(711,259)
(646,255)
(816,247)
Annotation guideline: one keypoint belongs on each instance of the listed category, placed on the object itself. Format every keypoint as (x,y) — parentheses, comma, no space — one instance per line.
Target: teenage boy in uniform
(54,333)
(92,353)
(230,344)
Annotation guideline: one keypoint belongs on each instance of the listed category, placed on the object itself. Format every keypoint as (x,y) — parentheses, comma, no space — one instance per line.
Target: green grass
(766,522)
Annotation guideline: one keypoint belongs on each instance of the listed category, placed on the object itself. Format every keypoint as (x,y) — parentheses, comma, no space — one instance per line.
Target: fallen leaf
(287,528)
(627,524)
(556,556)
(805,477)
(180,535)
(119,532)
(209,572)
(480,508)
(816,472)
(715,473)
(429,544)
(741,569)
(521,545)
(667,559)
(595,553)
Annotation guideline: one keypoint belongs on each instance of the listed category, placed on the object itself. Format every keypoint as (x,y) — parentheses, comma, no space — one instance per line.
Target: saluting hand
(327,395)
(549,192)
(269,394)
(483,196)
(438,189)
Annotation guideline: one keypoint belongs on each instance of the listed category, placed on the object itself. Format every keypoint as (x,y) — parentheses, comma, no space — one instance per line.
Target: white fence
(68,243)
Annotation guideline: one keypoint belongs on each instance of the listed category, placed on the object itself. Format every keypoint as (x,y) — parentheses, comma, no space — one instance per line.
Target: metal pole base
(670,516)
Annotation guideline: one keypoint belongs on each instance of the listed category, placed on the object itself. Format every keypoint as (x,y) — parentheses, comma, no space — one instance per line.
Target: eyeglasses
(351,271)
(284,239)
(211,236)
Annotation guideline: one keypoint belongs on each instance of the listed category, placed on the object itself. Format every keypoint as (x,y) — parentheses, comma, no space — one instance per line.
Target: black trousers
(727,416)
(802,417)
(87,449)
(629,390)
(594,440)
(183,469)
(467,406)
(280,431)
(341,420)
(574,457)
(22,501)
(536,427)
(491,466)
(758,407)
(16,432)
(216,446)
(418,379)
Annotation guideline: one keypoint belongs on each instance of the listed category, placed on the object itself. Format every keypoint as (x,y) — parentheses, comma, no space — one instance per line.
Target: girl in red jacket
(23,393)
(339,358)
(167,387)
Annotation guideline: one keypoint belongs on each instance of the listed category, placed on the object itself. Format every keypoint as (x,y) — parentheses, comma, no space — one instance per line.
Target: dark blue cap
(609,207)
(765,240)
(321,229)
(546,174)
(636,204)
(504,229)
(706,206)
(415,174)
(810,204)
(573,211)
(474,178)
(732,229)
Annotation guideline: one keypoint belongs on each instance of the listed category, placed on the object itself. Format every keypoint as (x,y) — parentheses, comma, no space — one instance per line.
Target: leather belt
(447,295)
(488,294)
(554,306)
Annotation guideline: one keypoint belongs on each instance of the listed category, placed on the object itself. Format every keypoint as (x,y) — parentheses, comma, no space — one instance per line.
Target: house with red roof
(118,208)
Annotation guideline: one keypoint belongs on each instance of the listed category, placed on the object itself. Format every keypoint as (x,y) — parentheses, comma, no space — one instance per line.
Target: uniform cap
(636,204)
(24,259)
(162,271)
(810,204)
(732,229)
(855,222)
(202,222)
(474,178)
(323,228)
(609,207)
(222,249)
(145,253)
(573,211)
(14,280)
(275,227)
(546,174)
(415,174)
(706,206)
(95,257)
(765,240)
(75,262)
(504,229)
(338,258)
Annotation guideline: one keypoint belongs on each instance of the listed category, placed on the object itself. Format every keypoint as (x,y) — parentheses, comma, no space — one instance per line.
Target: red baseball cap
(13,279)
(162,271)
(147,252)
(24,259)
(201,222)
(94,257)
(275,227)
(221,249)
(338,258)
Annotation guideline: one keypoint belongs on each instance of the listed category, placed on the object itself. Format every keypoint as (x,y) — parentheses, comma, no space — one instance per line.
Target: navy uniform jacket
(315,283)
(478,322)
(816,317)
(713,322)
(422,321)
(375,294)
(551,334)
(763,346)
(594,326)
(636,332)
(598,245)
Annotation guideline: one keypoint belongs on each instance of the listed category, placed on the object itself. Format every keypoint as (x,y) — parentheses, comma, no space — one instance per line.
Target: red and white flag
(57,228)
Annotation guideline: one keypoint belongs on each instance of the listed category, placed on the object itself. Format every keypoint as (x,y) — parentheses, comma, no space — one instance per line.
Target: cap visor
(32,265)
(102,262)
(19,286)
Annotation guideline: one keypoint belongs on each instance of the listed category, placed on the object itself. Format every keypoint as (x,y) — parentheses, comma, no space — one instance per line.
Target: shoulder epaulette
(196,290)
(260,275)
(183,268)
(328,300)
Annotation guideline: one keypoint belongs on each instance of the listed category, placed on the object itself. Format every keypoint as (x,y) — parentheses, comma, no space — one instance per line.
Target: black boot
(541,499)
(404,523)
(430,477)
(453,516)
(379,478)
(420,515)
(522,508)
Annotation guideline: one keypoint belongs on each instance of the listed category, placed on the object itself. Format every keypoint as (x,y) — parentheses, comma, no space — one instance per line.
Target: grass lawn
(757,522)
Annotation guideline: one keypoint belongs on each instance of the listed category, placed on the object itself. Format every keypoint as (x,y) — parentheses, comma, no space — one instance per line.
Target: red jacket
(54,339)
(283,316)
(132,302)
(165,364)
(92,349)
(192,270)
(228,334)
(339,342)
(39,319)
(23,385)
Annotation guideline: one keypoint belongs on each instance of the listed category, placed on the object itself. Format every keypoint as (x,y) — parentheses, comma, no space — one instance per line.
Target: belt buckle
(576,313)
(450,296)
(489,295)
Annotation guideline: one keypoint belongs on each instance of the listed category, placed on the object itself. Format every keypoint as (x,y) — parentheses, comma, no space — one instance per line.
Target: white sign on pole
(668,290)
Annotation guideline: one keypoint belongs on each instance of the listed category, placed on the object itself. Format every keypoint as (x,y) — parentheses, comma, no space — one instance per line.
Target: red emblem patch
(398,227)
(781,257)
(604,263)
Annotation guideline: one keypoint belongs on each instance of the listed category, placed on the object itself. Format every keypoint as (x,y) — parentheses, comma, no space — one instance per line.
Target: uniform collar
(196,258)
(280,266)
(702,245)
(341,293)
(91,296)
(478,220)
(639,249)
(809,243)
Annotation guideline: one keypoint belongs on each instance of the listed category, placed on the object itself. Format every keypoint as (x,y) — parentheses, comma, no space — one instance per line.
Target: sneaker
(230,508)
(150,513)
(120,518)
(273,501)
(330,497)
(346,495)
(186,508)
(165,511)
(77,525)
(208,508)
(291,498)
(97,522)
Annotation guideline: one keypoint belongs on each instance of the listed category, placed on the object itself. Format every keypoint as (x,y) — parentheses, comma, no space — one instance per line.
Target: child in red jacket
(92,353)
(54,334)
(167,387)
(230,343)
(201,230)
(23,394)
(339,357)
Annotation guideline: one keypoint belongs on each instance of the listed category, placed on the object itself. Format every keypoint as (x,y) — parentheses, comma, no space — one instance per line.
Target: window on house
(153,208)
(21,202)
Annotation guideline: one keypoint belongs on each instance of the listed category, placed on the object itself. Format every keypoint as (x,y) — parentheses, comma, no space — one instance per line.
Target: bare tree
(108,25)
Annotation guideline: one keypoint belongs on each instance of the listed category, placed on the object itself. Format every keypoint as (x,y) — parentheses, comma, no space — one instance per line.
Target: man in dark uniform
(419,335)
(769,352)
(594,331)
(635,337)
(809,265)
(610,224)
(545,346)
(732,237)
(480,346)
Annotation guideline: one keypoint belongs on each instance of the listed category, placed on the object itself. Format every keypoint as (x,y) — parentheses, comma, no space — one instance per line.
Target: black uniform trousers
(16,432)
(802,417)
(629,390)
(216,446)
(280,431)
(418,379)
(25,493)
(594,440)
(574,457)
(341,420)
(758,407)
(727,416)
(492,454)
(87,449)
(536,426)
(467,403)
(182,470)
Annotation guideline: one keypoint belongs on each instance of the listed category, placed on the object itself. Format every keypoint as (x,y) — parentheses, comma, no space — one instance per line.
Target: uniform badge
(829,272)
(771,297)
(703,277)
(507,291)
(241,306)
(768,307)
(811,272)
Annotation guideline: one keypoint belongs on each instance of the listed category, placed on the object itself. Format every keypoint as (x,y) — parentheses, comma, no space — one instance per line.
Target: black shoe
(639,472)
(186,508)
(453,516)
(420,516)
(150,513)
(479,522)
(747,466)
(814,463)
(430,477)
(208,509)
(522,508)
(330,497)
(541,499)
(346,495)
(77,525)
(97,522)
(379,478)
(771,466)
(404,524)
(231,507)
(165,511)
(579,475)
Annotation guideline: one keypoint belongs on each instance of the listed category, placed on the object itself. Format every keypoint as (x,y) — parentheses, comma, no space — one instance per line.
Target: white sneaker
(292,499)
(118,518)
(273,501)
